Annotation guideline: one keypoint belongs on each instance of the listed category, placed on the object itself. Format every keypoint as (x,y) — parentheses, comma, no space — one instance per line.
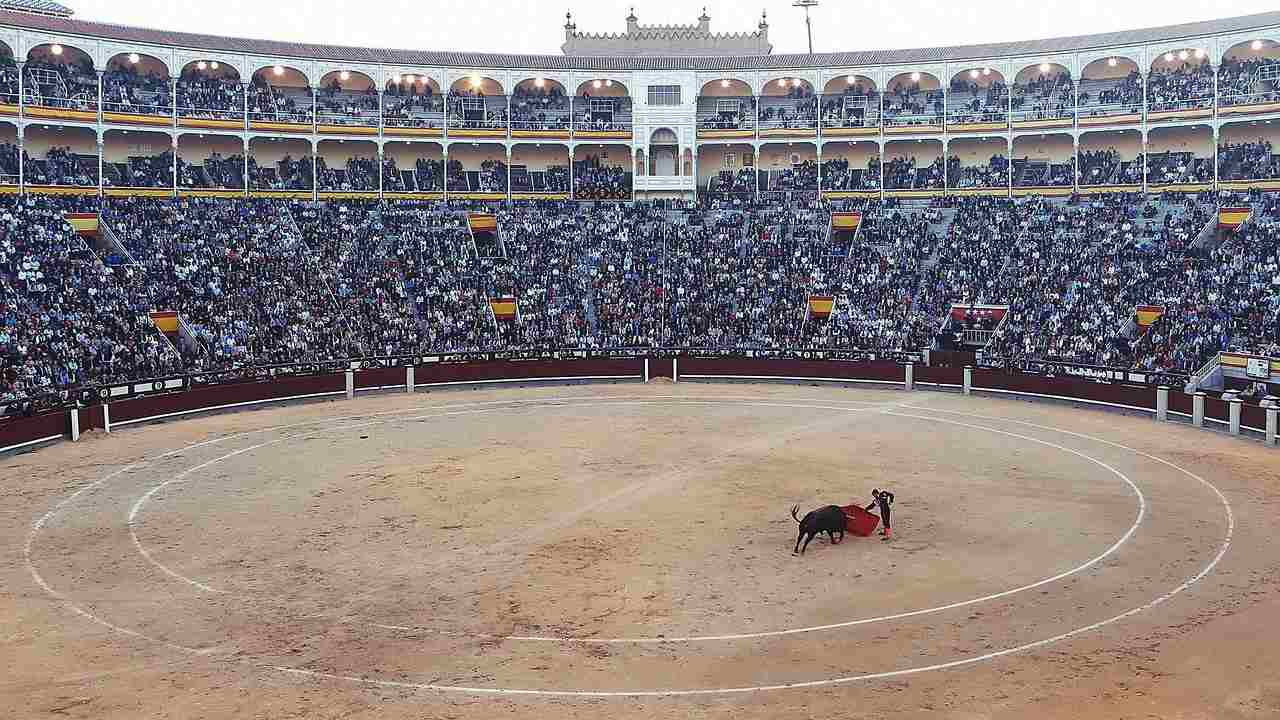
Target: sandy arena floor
(624,551)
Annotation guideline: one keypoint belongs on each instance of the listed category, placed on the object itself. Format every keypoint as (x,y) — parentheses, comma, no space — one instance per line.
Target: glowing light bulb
(215,66)
(344,75)
(201,65)
(133,58)
(56,49)
(278,70)
(915,77)
(1044,67)
(973,73)
(1182,55)
(1256,44)
(539,82)
(724,83)
(1111,62)
(1168,57)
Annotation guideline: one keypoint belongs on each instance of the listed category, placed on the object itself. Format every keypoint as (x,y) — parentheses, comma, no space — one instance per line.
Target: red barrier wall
(884,371)
(18,430)
(1136,396)
(939,375)
(525,369)
(218,395)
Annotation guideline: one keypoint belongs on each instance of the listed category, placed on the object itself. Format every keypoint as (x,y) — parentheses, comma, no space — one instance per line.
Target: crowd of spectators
(278,104)
(1177,88)
(405,105)
(993,174)
(1048,96)
(127,90)
(539,109)
(66,86)
(216,172)
(261,282)
(901,173)
(209,98)
(140,171)
(287,174)
(357,176)
(857,106)
(473,110)
(1248,161)
(726,113)
(337,106)
(970,102)
(1098,98)
(594,180)
(908,104)
(66,319)
(60,166)
(1240,83)
(837,175)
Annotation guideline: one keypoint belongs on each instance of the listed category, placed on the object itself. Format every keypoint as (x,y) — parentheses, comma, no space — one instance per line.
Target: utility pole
(806,4)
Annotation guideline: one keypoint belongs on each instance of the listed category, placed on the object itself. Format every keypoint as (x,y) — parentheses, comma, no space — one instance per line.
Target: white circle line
(1141,513)
(1226,543)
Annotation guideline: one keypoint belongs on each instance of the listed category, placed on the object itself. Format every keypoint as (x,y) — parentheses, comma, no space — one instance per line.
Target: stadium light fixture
(214,65)
(973,73)
(796,82)
(986,71)
(1182,55)
(411,78)
(201,65)
(915,77)
(596,84)
(608,83)
(849,80)
(278,70)
(344,75)
(724,83)
(134,58)
(1168,57)
(56,49)
(808,27)
(1256,44)
(539,82)
(1044,67)
(1111,62)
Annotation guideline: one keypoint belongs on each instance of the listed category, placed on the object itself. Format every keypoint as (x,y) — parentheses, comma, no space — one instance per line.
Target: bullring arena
(354,382)
(624,548)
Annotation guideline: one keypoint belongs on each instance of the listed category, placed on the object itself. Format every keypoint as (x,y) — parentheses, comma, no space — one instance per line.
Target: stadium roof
(428,58)
(43,7)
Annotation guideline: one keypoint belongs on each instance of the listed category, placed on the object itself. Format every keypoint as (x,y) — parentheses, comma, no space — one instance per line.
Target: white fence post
(910,376)
(1272,413)
(1162,403)
(351,384)
(1197,409)
(75,423)
(968,379)
(106,418)
(1236,403)
(646,369)
(675,369)
(408,379)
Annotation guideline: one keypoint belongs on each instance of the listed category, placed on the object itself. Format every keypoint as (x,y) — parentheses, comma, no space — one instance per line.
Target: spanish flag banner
(503,308)
(482,223)
(166,321)
(820,306)
(845,221)
(1231,218)
(85,224)
(1148,314)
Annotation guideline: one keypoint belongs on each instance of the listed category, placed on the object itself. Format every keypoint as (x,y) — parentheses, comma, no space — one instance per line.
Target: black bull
(829,520)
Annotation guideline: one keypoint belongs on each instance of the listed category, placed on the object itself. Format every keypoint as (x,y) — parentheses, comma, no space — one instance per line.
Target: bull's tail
(795,510)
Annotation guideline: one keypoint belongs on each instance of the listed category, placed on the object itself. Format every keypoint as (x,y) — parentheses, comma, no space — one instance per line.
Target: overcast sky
(538,27)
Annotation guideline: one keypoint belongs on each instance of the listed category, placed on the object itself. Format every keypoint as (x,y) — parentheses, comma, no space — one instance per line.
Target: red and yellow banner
(820,306)
(503,308)
(1231,218)
(482,223)
(86,224)
(845,221)
(166,321)
(1148,314)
